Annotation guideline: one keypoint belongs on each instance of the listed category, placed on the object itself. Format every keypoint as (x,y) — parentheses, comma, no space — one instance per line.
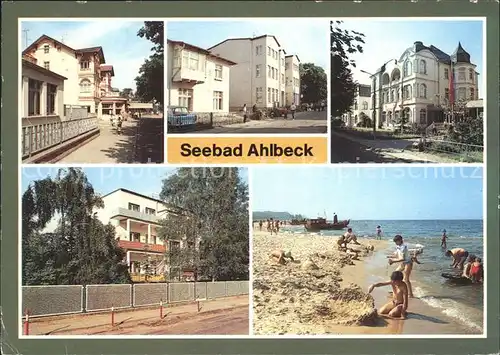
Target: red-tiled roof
(108,67)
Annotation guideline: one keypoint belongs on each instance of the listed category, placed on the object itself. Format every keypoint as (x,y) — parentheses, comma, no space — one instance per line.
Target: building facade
(88,77)
(422,84)
(362,106)
(197,79)
(137,221)
(42,94)
(292,77)
(259,76)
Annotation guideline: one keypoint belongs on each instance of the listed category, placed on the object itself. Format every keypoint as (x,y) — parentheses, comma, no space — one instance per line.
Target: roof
(244,39)
(27,63)
(201,50)
(106,68)
(460,55)
(81,50)
(133,105)
(293,55)
(135,194)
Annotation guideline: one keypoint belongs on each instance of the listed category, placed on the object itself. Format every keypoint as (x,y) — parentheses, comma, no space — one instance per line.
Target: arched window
(385,79)
(85,86)
(462,92)
(423,91)
(407,68)
(365,105)
(407,92)
(423,67)
(397,94)
(461,74)
(423,116)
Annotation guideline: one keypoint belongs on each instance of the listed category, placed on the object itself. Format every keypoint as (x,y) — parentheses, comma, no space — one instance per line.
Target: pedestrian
(293,108)
(322,106)
(260,225)
(244,109)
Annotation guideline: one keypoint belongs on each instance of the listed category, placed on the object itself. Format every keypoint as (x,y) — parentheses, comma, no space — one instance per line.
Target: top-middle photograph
(247,76)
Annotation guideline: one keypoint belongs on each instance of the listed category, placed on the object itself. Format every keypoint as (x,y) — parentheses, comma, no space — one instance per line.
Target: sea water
(461,302)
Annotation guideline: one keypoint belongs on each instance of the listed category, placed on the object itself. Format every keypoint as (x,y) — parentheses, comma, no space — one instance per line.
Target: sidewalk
(395,148)
(108,147)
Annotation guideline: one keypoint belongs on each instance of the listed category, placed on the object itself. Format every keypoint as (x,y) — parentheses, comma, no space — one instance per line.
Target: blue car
(179,116)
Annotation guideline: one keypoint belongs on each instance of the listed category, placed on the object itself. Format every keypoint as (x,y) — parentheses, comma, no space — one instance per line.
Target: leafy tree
(364,120)
(149,83)
(127,92)
(313,83)
(467,130)
(81,250)
(343,87)
(210,217)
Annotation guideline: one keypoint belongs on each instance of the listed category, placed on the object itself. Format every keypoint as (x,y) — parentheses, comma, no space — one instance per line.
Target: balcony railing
(151,218)
(38,137)
(130,245)
(184,73)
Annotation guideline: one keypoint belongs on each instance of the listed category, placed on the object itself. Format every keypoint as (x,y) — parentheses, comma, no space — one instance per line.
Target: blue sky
(381,193)
(386,40)
(303,37)
(144,180)
(122,47)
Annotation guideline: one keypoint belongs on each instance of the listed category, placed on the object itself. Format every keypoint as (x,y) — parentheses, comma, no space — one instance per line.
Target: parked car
(179,116)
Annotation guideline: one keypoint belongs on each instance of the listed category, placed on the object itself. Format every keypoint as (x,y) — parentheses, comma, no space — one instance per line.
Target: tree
(127,93)
(81,250)
(209,214)
(313,83)
(343,87)
(149,82)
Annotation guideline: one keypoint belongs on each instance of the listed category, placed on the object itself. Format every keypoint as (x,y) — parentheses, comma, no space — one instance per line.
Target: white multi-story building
(137,221)
(260,75)
(362,105)
(196,78)
(418,85)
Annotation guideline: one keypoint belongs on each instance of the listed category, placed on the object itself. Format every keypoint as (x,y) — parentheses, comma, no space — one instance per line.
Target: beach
(298,298)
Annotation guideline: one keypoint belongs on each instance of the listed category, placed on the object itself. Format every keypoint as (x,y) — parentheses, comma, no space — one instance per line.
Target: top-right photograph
(408,90)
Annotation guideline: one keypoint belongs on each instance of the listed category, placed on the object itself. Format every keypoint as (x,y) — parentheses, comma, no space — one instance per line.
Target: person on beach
(403,256)
(379,232)
(270,225)
(467,266)
(443,239)
(281,257)
(335,218)
(476,270)
(459,256)
(398,306)
(277,226)
(260,225)
(350,237)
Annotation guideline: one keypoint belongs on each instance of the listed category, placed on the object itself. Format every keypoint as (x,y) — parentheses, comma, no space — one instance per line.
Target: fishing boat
(319,224)
(298,222)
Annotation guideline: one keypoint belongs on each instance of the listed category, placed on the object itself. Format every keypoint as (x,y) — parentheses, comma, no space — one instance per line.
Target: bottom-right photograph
(368,251)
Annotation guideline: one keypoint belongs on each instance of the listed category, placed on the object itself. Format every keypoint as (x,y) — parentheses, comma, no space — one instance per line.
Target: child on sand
(281,257)
(350,237)
(404,257)
(397,308)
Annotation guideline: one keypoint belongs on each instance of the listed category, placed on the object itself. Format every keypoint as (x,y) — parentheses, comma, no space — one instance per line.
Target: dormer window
(84,65)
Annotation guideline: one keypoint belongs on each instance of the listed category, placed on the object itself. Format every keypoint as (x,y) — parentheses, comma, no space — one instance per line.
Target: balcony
(140,216)
(130,245)
(184,74)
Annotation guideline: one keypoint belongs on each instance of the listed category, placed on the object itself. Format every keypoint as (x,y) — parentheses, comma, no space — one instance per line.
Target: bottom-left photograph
(134,251)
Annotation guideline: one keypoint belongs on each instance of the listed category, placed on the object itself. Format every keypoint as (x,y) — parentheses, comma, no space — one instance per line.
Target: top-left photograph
(91,91)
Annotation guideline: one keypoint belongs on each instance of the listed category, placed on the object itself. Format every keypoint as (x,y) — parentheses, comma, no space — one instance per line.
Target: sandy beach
(324,291)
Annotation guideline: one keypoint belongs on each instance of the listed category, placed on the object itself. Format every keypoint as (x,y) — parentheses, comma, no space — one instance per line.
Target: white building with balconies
(362,106)
(418,85)
(260,76)
(197,79)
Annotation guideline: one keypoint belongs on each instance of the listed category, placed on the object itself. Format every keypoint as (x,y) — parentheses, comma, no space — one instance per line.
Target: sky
(122,47)
(309,40)
(387,40)
(381,193)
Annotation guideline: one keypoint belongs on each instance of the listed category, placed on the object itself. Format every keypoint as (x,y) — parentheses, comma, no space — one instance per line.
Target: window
(84,65)
(407,92)
(150,211)
(423,116)
(177,57)
(174,245)
(392,96)
(461,74)
(461,93)
(85,86)
(471,75)
(355,105)
(423,67)
(423,91)
(287,66)
(46,48)
(185,97)
(397,94)
(46,65)
(134,207)
(34,95)
(365,105)
(135,237)
(282,78)
(153,239)
(274,95)
(217,100)
(218,72)
(295,67)
(447,94)
(269,51)
(269,95)
(258,50)
(194,59)
(472,93)
(51,99)
(446,73)
(269,73)
(258,95)
(407,68)
(257,70)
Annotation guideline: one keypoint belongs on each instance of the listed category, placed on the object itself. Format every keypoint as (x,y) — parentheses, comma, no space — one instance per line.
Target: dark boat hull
(326,226)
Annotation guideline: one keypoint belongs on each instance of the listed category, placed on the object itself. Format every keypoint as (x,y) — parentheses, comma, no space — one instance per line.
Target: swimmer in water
(397,308)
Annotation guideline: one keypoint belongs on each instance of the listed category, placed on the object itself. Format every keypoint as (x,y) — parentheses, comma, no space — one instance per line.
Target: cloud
(89,33)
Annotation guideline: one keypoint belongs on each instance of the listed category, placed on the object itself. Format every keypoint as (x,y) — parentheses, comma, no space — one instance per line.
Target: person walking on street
(244,109)
(293,108)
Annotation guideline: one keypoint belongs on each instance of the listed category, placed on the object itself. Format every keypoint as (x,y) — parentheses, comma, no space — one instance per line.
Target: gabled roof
(106,68)
(244,39)
(28,64)
(293,55)
(34,45)
(201,50)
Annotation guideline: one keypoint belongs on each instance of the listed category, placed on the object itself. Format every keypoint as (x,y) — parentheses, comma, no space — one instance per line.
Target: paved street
(110,147)
(304,122)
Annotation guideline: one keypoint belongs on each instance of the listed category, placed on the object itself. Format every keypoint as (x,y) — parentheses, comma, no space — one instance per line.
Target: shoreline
(288,300)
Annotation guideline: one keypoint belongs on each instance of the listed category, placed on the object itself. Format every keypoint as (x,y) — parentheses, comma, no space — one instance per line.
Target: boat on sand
(319,224)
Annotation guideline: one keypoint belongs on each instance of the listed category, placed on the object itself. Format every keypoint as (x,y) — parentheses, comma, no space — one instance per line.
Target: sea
(464,303)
